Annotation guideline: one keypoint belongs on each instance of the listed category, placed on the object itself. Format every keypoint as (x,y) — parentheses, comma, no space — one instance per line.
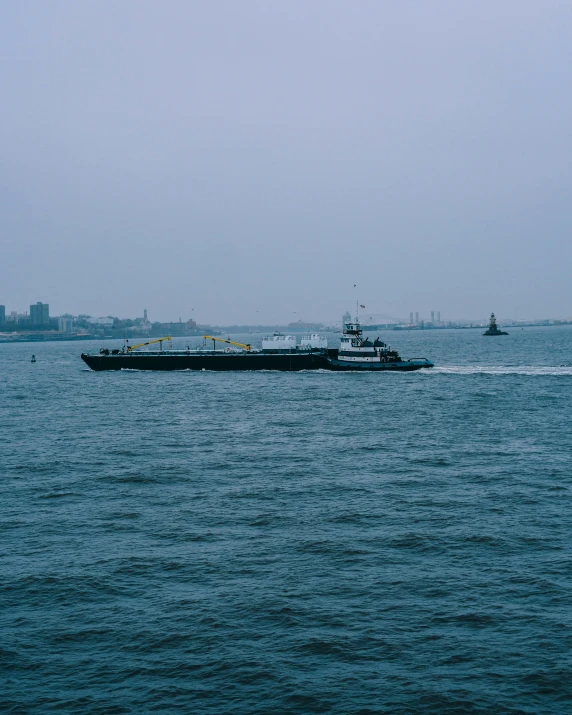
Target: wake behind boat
(279,352)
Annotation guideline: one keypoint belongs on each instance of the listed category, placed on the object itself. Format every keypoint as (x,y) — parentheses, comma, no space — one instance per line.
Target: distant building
(347,317)
(433,317)
(438,316)
(417,318)
(65,325)
(145,316)
(174,329)
(410,318)
(2,314)
(40,315)
(301,325)
(104,322)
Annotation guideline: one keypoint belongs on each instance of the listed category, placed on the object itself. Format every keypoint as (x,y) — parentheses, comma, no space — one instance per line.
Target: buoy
(33,358)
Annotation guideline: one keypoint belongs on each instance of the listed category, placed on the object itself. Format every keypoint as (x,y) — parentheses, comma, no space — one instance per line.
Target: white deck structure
(313,342)
(279,343)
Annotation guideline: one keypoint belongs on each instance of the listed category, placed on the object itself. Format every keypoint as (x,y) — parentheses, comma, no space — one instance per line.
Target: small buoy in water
(33,358)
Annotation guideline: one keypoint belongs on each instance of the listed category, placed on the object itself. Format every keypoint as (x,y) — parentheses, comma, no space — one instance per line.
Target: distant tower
(417,318)
(145,316)
(438,316)
(410,318)
(40,314)
(433,316)
(493,328)
(347,318)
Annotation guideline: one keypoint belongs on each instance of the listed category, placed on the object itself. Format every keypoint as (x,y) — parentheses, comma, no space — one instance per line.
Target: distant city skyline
(431,317)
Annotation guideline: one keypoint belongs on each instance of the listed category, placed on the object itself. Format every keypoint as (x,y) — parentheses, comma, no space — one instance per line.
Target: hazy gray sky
(240,156)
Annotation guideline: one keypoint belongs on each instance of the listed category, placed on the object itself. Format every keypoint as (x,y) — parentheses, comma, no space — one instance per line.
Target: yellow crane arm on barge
(140,345)
(230,342)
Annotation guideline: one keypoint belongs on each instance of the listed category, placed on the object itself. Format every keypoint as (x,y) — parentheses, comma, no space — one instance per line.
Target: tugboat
(280,352)
(357,353)
(493,329)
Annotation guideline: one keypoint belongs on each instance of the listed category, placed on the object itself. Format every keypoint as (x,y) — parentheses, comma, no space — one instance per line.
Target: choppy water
(289,543)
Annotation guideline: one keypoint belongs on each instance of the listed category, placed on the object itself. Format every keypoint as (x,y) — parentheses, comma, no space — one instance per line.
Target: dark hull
(397,366)
(239,361)
(222,362)
(496,332)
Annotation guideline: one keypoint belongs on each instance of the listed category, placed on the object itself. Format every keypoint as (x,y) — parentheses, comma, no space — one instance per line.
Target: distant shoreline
(51,339)
(82,338)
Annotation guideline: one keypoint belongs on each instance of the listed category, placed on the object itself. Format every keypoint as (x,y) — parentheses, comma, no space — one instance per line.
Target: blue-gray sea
(312,542)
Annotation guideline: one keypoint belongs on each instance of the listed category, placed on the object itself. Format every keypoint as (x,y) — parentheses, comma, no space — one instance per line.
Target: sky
(253,161)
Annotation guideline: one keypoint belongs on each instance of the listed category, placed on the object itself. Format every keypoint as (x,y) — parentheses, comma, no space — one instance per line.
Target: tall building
(417,318)
(438,316)
(410,318)
(2,314)
(65,325)
(433,316)
(145,316)
(40,315)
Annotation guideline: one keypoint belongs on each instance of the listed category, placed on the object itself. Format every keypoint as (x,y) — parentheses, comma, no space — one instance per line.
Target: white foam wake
(533,370)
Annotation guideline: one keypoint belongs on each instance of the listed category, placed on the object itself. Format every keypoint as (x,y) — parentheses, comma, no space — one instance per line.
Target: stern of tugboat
(420,363)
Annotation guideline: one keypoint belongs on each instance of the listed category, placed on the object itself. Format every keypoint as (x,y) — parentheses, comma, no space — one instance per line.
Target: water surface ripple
(289,543)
